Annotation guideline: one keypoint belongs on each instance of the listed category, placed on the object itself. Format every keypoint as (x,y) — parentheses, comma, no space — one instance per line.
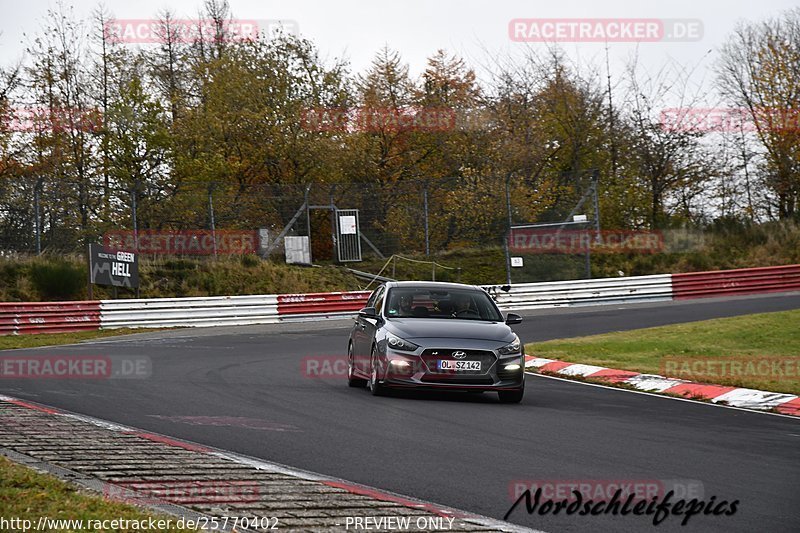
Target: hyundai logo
(459,355)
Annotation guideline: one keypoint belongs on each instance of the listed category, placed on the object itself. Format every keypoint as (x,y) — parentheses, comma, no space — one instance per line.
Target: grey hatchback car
(431,335)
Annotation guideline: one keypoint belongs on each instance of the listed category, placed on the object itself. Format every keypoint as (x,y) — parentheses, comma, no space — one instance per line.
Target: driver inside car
(462,307)
(404,305)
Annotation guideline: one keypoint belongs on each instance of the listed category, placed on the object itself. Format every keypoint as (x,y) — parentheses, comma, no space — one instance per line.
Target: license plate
(459,365)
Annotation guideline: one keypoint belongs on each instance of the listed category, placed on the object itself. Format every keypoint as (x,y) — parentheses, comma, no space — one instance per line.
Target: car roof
(430,285)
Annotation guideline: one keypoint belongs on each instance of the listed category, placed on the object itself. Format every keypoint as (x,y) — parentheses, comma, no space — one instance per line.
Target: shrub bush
(58,280)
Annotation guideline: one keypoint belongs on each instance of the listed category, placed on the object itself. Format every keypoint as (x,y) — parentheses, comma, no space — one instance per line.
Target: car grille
(432,355)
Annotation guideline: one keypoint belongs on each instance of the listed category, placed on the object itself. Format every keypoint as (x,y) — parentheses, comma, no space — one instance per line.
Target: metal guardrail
(736,282)
(321,304)
(194,312)
(229,310)
(583,292)
(48,317)
(56,317)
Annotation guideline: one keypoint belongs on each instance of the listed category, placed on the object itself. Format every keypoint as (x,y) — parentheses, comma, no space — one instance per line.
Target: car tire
(374,385)
(352,380)
(511,396)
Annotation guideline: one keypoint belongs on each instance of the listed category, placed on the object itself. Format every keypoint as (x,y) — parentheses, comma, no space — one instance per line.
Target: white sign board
(579,218)
(297,250)
(516,261)
(347,225)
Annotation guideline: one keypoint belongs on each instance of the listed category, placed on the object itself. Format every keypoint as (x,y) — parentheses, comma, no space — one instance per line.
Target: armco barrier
(56,317)
(321,304)
(49,317)
(193,312)
(228,310)
(585,292)
(735,282)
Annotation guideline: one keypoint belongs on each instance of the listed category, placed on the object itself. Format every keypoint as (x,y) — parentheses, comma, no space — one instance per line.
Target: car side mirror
(513,318)
(368,312)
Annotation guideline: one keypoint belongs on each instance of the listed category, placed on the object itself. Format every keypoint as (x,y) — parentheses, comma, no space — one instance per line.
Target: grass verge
(697,351)
(14,342)
(51,277)
(29,495)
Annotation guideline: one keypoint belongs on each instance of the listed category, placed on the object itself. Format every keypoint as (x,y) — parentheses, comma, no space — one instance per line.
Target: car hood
(449,328)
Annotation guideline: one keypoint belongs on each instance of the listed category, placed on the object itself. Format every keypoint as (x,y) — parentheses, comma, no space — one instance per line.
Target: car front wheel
(512,396)
(374,385)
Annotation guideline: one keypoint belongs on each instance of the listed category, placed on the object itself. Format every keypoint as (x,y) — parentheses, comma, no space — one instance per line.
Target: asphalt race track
(246,389)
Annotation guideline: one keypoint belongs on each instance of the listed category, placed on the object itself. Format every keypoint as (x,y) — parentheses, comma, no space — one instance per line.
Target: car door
(360,342)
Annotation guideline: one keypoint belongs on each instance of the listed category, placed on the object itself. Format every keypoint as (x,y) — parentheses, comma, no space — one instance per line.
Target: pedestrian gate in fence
(348,236)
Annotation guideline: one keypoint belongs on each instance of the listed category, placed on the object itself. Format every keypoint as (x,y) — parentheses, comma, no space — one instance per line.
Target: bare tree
(59,84)
(671,161)
(758,70)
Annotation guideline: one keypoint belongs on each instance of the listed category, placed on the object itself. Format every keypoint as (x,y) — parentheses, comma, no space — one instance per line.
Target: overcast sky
(357,29)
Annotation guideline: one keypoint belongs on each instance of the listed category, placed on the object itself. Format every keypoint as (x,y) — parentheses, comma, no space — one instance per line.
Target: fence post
(211,217)
(308,222)
(595,179)
(334,244)
(135,225)
(38,217)
(427,237)
(508,233)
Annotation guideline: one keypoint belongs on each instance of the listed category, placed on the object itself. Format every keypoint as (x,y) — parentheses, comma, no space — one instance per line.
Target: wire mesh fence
(459,223)
(411,216)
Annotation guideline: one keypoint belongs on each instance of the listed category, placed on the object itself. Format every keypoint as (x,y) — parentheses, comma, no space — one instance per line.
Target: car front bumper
(422,370)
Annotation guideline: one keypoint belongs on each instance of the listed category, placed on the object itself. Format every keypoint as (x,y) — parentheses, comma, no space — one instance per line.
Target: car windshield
(444,303)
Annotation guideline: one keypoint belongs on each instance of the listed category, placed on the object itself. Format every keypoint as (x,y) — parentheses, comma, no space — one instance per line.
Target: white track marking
(653,383)
(580,370)
(537,362)
(754,399)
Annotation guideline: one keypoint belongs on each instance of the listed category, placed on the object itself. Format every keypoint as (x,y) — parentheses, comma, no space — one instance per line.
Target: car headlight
(396,343)
(511,348)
